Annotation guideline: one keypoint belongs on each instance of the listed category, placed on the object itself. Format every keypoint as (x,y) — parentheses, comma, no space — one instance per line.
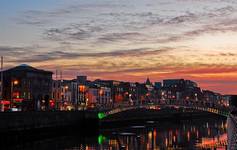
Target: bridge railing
(190,103)
(216,110)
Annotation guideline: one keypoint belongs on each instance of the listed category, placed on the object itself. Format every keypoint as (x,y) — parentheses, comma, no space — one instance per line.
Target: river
(149,135)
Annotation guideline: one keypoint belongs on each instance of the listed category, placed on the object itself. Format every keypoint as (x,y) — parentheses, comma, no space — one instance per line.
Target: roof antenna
(56,74)
(1,96)
(61,75)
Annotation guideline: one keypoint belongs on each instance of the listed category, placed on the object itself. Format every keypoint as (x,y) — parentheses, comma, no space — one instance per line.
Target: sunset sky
(125,39)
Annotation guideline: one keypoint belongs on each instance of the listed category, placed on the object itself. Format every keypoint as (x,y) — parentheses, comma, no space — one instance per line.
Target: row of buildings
(28,88)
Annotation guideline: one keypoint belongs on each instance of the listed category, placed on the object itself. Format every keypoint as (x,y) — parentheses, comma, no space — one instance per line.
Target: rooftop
(25,67)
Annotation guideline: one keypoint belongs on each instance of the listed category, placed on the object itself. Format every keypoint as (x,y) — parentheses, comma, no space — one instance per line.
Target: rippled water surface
(150,135)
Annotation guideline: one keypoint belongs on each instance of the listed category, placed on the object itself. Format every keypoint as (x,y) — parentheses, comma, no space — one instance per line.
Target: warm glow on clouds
(125,39)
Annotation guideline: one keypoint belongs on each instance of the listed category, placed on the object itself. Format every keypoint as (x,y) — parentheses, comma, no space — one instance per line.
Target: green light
(101,139)
(101,115)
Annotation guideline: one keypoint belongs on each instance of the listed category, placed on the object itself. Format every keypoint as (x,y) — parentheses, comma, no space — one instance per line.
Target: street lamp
(101,93)
(130,99)
(65,98)
(111,102)
(13,83)
(196,96)
(87,102)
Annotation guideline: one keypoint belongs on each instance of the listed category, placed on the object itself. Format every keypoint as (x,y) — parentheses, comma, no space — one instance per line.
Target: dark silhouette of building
(81,80)
(27,87)
(233,101)
(158,85)
(174,83)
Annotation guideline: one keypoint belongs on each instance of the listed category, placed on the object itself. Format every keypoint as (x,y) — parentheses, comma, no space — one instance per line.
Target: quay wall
(11,122)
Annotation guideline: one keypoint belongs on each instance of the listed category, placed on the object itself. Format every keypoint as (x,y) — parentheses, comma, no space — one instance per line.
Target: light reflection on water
(151,135)
(199,134)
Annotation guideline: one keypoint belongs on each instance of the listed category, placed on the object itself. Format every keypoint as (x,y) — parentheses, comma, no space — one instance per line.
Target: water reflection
(201,134)
(196,134)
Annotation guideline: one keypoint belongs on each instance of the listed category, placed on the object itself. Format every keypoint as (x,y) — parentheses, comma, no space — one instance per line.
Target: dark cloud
(134,20)
(188,17)
(224,11)
(57,55)
(40,18)
(223,54)
(17,51)
(86,32)
(72,32)
(127,36)
(221,27)
(111,25)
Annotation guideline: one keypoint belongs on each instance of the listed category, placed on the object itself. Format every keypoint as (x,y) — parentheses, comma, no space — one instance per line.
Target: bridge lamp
(101,115)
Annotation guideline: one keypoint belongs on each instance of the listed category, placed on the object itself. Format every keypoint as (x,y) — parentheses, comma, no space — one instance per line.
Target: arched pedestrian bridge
(103,114)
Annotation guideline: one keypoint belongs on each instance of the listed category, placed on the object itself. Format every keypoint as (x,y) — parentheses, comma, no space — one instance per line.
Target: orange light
(82,88)
(101,92)
(15,82)
(154,132)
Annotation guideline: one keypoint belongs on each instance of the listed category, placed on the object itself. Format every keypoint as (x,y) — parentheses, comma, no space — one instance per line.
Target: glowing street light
(15,82)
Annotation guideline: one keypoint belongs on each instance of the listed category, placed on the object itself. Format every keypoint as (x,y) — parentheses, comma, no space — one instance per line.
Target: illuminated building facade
(27,87)
(117,89)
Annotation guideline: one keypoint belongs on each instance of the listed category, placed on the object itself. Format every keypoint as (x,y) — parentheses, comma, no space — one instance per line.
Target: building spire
(148,82)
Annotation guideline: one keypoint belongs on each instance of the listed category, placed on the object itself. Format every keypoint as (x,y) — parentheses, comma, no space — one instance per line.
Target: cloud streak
(136,38)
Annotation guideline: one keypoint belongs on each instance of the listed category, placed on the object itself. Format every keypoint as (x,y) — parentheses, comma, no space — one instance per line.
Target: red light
(19,100)
(5,102)
(51,103)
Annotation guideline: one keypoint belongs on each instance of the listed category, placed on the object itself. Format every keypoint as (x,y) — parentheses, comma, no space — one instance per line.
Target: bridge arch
(105,114)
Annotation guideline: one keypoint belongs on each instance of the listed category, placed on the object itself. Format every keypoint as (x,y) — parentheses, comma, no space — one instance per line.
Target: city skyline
(58,76)
(125,40)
